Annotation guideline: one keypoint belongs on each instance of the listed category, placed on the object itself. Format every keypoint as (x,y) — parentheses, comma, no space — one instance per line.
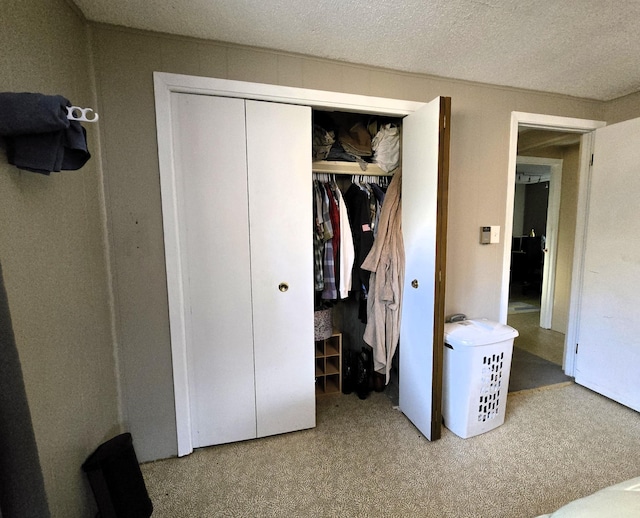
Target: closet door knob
(414,283)
(283,286)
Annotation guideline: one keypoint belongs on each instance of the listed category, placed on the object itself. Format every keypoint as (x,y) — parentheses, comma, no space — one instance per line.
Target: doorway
(541,232)
(539,349)
(536,215)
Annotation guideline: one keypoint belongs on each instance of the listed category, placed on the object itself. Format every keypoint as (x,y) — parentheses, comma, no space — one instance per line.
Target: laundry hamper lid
(474,332)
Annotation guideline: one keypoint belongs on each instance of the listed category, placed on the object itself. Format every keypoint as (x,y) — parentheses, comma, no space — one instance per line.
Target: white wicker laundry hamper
(477,364)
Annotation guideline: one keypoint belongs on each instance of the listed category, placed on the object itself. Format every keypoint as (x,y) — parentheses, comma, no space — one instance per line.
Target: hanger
(325,177)
(75,113)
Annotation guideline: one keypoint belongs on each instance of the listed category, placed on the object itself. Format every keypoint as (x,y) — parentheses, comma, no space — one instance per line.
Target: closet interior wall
(345,312)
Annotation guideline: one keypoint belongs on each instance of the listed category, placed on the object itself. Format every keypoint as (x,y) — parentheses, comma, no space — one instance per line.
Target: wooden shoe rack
(329,365)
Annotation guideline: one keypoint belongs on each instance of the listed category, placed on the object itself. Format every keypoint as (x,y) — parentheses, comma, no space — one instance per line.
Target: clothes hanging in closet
(318,237)
(358,208)
(333,242)
(347,253)
(385,262)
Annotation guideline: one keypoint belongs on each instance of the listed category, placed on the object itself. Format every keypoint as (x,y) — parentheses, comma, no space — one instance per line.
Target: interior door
(280,204)
(608,359)
(425,147)
(211,189)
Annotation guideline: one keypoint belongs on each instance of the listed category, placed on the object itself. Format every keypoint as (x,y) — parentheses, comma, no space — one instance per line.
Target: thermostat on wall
(490,234)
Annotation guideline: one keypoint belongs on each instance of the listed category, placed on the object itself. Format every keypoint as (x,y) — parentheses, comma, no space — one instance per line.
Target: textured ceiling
(584,48)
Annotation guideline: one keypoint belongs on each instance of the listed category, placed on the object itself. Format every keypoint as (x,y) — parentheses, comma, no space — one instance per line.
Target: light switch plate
(489,234)
(495,234)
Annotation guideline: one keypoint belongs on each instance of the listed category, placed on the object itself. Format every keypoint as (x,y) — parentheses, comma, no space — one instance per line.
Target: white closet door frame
(164,85)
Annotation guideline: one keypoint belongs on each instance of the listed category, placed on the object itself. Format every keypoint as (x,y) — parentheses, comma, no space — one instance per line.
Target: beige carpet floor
(365,459)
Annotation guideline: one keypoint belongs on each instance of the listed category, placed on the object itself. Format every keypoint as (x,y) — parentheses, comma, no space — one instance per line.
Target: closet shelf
(353,168)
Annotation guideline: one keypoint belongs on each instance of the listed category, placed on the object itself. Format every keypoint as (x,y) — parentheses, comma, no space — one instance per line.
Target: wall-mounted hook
(75,113)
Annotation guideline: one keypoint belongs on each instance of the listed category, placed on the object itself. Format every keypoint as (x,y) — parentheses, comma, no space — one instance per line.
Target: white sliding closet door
(211,189)
(280,208)
(242,173)
(420,163)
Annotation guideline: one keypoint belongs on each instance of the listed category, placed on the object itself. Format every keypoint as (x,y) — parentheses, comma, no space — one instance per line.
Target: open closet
(237,193)
(355,157)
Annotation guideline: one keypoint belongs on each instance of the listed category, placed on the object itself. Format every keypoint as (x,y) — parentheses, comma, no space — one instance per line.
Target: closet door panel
(420,160)
(280,205)
(212,191)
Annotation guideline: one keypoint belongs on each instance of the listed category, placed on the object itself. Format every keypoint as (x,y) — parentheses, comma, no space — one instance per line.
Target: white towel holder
(75,113)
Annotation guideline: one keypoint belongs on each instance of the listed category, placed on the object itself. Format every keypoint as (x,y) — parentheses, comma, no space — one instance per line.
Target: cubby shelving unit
(329,365)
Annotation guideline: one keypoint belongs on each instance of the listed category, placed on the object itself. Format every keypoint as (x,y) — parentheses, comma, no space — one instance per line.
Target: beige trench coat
(386,264)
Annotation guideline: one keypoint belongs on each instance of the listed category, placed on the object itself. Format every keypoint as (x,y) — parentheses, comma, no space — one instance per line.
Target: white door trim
(577,273)
(164,85)
(551,246)
(555,123)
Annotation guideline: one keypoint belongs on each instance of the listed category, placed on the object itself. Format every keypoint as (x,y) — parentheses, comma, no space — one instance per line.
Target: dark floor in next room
(537,353)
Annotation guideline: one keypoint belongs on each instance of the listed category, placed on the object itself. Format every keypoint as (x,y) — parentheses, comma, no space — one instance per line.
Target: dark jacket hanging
(38,135)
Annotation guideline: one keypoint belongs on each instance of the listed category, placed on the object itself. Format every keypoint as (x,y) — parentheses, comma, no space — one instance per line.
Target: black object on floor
(348,368)
(379,381)
(116,480)
(364,363)
(530,371)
